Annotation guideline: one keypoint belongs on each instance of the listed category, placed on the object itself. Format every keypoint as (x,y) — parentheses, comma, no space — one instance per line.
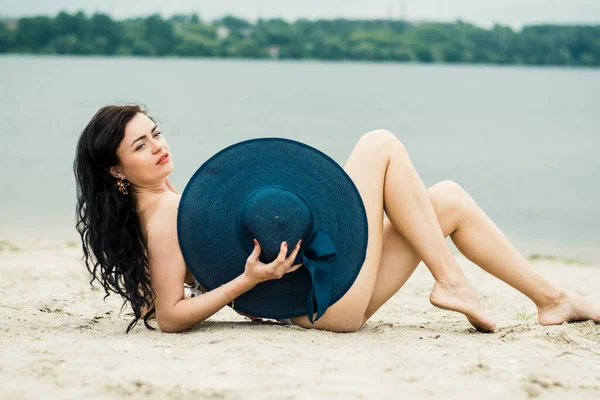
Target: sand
(59,339)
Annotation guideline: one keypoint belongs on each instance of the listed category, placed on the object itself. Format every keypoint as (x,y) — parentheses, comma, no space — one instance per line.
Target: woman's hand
(257,271)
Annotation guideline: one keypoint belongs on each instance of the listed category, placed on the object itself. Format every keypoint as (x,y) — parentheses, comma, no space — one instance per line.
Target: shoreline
(557,67)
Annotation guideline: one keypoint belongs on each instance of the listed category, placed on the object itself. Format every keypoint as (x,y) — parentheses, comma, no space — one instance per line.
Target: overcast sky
(481,12)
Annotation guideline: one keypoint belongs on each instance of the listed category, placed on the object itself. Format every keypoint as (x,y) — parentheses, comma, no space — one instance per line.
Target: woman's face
(140,151)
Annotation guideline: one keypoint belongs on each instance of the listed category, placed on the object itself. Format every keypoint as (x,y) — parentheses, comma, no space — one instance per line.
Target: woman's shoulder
(163,218)
(168,200)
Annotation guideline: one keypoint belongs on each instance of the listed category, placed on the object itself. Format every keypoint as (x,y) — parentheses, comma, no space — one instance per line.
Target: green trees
(336,39)
(6,39)
(34,34)
(159,35)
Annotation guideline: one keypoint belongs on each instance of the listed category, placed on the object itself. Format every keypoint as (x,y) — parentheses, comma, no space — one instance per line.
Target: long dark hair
(113,244)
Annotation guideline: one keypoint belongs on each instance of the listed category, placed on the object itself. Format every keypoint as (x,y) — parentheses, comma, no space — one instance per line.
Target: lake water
(524,142)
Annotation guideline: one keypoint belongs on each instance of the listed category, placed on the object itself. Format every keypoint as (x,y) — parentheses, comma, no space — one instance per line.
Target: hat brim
(211,200)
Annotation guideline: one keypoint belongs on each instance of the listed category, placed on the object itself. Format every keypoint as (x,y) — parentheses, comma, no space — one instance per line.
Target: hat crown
(272,215)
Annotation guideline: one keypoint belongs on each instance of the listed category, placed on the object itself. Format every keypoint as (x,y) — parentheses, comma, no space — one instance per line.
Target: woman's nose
(156,146)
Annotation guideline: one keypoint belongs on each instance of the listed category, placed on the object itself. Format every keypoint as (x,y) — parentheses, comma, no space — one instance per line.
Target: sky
(515,13)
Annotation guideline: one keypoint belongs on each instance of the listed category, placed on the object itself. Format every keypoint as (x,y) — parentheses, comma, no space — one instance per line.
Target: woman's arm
(186,313)
(175,313)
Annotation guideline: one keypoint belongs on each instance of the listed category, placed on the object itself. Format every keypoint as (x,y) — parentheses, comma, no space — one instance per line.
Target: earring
(122,185)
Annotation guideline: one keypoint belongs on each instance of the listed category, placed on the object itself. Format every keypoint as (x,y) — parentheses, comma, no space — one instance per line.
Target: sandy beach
(60,340)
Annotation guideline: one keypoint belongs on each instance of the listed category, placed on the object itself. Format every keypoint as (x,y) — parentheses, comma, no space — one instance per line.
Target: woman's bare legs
(482,242)
(385,177)
(398,259)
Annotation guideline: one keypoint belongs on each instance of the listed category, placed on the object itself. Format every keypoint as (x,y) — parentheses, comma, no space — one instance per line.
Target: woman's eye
(142,144)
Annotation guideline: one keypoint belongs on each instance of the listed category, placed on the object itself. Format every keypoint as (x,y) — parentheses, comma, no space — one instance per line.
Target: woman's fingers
(293,268)
(292,257)
(289,260)
(256,252)
(282,264)
(282,253)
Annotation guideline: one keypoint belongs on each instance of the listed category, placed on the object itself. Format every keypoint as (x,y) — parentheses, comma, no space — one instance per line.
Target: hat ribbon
(317,257)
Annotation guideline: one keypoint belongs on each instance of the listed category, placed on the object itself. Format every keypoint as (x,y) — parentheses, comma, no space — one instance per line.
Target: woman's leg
(398,259)
(482,242)
(385,177)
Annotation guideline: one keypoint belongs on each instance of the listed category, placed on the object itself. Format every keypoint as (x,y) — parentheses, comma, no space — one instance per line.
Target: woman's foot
(567,308)
(462,297)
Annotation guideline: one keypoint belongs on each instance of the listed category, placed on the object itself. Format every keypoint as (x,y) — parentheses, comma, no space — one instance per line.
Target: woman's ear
(116,172)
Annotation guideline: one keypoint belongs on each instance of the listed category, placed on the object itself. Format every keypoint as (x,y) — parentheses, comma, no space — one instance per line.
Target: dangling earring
(122,185)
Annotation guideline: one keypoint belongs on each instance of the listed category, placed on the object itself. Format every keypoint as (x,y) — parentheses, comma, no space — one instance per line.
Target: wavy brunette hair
(113,244)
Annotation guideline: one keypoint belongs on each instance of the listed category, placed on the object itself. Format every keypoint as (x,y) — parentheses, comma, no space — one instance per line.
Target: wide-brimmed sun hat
(274,189)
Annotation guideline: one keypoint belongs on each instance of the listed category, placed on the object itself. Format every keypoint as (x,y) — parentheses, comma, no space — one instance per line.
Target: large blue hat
(274,190)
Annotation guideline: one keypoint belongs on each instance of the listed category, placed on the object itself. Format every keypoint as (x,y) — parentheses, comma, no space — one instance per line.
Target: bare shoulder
(167,266)
(166,207)
(161,227)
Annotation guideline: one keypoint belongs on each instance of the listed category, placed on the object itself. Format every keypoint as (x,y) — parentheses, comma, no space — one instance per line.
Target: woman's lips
(163,159)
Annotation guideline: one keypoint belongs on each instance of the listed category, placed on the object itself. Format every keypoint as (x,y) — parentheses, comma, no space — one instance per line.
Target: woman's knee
(382,139)
(449,198)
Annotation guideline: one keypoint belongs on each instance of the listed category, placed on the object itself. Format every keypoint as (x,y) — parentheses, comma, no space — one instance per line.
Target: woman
(127,219)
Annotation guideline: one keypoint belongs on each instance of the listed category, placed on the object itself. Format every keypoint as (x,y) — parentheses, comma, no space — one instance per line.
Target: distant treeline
(338,39)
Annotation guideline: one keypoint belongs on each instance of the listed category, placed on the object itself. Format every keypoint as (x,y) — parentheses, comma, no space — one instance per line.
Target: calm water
(524,142)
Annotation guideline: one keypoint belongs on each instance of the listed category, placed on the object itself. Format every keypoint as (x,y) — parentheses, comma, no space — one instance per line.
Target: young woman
(127,219)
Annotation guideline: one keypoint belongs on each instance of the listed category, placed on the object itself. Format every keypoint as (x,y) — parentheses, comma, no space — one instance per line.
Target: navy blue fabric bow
(317,255)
